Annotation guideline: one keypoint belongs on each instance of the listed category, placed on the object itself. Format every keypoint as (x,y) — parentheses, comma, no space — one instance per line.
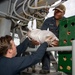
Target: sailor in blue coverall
(11,65)
(52,24)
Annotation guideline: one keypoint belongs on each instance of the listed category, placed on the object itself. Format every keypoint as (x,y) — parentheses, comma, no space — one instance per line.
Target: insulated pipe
(36,1)
(9,7)
(19,4)
(18,14)
(29,14)
(4,15)
(18,23)
(41,7)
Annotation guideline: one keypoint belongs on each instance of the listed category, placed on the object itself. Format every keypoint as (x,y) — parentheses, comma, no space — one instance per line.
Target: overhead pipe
(73,57)
(62,48)
(9,7)
(9,16)
(15,22)
(41,7)
(29,14)
(36,1)
(18,14)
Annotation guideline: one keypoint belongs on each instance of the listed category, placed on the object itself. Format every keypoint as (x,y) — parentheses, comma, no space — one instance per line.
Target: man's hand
(52,43)
(55,43)
(48,39)
(34,42)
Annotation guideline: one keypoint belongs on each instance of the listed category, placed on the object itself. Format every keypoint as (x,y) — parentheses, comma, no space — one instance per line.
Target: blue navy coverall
(13,66)
(51,24)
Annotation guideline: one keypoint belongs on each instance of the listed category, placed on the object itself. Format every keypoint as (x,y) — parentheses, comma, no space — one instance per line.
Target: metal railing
(62,48)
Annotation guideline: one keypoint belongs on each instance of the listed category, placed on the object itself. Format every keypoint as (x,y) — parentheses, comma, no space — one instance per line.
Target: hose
(18,14)
(41,7)
(29,14)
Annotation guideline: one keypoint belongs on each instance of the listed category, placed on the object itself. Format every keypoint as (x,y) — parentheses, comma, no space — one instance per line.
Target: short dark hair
(5,44)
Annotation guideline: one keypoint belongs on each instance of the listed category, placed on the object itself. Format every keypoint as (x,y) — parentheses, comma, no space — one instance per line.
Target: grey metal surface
(73,58)
(4,6)
(5,26)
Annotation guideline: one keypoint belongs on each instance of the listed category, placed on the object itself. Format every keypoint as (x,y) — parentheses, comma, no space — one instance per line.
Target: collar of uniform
(53,18)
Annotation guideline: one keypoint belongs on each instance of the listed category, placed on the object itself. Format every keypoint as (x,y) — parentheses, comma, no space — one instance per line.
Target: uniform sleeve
(22,47)
(21,63)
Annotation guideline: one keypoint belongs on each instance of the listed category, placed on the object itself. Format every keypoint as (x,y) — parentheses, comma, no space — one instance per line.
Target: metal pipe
(25,12)
(73,57)
(29,14)
(9,7)
(3,13)
(19,24)
(41,7)
(62,48)
(20,4)
(36,2)
(9,16)
(18,14)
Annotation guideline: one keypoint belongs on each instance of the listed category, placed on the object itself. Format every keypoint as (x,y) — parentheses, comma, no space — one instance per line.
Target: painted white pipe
(36,1)
(9,7)
(29,14)
(41,7)
(34,24)
(4,15)
(62,48)
(14,9)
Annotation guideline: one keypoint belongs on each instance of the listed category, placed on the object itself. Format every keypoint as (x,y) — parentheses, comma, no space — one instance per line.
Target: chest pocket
(51,27)
(54,29)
